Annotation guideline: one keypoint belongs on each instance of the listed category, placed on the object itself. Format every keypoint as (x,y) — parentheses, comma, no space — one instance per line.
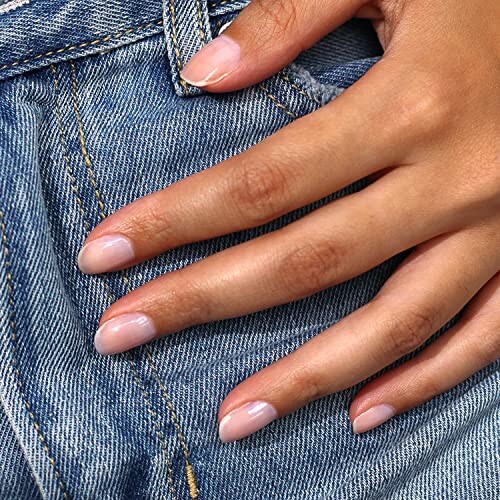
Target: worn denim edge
(83,48)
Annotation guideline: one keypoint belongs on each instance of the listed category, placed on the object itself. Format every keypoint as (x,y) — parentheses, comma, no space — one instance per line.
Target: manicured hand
(425,120)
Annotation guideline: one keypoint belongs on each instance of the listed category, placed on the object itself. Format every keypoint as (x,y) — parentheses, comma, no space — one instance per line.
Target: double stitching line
(200,23)
(190,476)
(285,77)
(14,362)
(69,168)
(111,299)
(302,92)
(156,423)
(100,203)
(201,32)
(176,44)
(82,45)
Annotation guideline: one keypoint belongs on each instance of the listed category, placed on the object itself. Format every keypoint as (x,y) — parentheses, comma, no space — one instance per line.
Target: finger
(323,248)
(463,350)
(424,293)
(264,37)
(304,162)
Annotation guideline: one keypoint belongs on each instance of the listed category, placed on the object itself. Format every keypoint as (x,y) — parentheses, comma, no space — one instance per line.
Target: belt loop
(187,30)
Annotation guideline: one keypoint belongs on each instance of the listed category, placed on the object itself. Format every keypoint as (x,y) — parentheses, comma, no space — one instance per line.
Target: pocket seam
(70,48)
(14,362)
(189,472)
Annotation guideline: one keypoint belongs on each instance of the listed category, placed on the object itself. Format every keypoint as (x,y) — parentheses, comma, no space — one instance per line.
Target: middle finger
(332,244)
(304,162)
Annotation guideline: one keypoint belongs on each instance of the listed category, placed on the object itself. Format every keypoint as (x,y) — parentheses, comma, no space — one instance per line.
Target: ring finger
(332,244)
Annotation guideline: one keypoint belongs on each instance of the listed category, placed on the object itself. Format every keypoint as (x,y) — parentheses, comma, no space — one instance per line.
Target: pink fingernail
(105,254)
(123,333)
(246,420)
(372,418)
(213,62)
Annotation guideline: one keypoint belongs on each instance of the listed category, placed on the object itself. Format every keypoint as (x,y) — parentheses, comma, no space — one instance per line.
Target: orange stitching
(190,476)
(156,423)
(70,171)
(191,480)
(200,23)
(176,45)
(278,103)
(81,137)
(82,45)
(106,280)
(69,168)
(13,338)
(298,89)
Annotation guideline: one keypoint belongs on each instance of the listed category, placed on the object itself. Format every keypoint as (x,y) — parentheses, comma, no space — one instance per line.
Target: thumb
(265,37)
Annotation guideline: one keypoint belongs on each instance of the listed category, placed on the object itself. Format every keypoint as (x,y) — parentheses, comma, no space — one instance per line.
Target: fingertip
(124,332)
(213,63)
(246,420)
(105,253)
(373,417)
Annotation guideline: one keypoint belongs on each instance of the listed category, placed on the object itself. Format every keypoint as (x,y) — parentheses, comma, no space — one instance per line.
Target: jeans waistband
(36,33)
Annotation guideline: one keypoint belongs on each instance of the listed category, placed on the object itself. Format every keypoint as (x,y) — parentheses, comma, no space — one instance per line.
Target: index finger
(304,162)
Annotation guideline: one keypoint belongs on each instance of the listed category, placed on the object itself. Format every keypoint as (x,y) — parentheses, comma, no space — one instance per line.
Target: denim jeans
(92,116)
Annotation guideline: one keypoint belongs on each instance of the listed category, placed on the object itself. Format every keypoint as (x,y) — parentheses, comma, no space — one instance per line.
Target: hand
(426,120)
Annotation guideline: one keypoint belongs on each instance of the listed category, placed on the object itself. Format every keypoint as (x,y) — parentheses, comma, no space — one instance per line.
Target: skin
(425,120)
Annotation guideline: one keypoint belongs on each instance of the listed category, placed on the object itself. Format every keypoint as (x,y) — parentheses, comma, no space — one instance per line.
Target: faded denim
(92,116)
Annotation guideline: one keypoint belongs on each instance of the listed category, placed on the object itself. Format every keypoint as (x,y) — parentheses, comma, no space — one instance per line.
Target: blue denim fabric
(92,116)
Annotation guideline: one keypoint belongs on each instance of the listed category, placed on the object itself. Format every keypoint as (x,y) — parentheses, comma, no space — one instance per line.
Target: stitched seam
(82,45)
(81,138)
(70,170)
(173,35)
(216,4)
(298,89)
(96,190)
(67,161)
(106,280)
(156,423)
(100,203)
(200,23)
(14,362)
(111,299)
(190,475)
(277,102)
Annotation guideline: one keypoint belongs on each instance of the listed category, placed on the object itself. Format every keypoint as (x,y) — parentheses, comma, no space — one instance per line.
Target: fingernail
(213,62)
(123,333)
(246,420)
(105,254)
(372,418)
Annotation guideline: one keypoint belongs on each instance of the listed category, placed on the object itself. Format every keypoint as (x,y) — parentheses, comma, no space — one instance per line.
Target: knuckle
(258,191)
(308,267)
(407,330)
(154,220)
(423,111)
(306,382)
